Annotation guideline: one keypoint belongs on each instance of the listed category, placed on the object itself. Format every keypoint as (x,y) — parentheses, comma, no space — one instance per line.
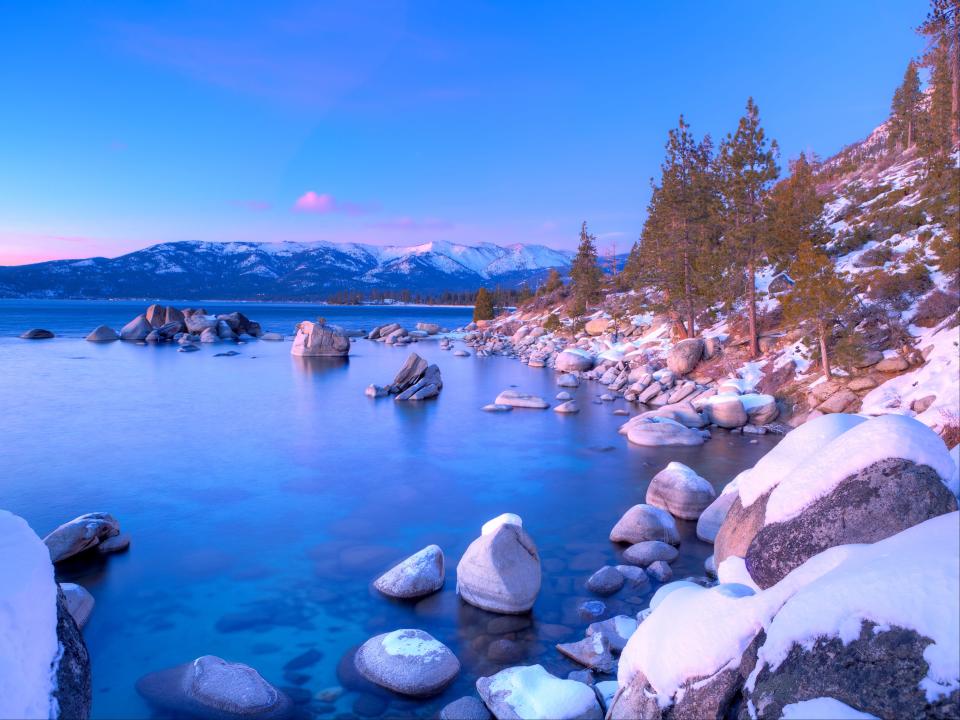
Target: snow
(408,643)
(823,708)
(921,595)
(505,519)
(955,481)
(533,693)
(684,478)
(28,622)
(888,436)
(796,446)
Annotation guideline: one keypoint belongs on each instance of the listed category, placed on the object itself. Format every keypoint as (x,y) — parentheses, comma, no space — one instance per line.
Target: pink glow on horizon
(312,202)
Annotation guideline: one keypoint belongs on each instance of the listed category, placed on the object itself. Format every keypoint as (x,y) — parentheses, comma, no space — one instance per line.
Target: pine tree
(795,213)
(748,166)
(939,140)
(554,281)
(585,274)
(942,26)
(483,305)
(906,111)
(820,297)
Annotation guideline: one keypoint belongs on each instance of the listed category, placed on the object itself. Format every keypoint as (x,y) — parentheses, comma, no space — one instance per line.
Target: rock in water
(650,551)
(136,330)
(727,411)
(79,602)
(500,571)
(410,662)
(685,355)
(466,708)
(413,369)
(568,381)
(515,398)
(680,491)
(74,693)
(80,534)
(531,692)
(37,334)
(605,581)
(319,340)
(645,522)
(569,407)
(418,575)
(103,333)
(214,689)
(617,631)
(710,520)
(659,431)
(573,361)
(592,652)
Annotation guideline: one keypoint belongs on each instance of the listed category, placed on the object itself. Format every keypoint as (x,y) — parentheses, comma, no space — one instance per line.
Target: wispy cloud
(325,203)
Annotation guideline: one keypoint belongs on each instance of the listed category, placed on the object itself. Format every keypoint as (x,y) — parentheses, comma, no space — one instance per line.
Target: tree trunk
(752,308)
(909,133)
(955,94)
(824,353)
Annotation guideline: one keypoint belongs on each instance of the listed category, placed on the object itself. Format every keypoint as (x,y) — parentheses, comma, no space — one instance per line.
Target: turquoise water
(264,493)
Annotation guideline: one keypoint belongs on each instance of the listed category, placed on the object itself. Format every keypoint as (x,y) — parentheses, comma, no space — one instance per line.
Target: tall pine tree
(748,165)
(906,110)
(795,213)
(942,27)
(585,273)
(483,305)
(939,137)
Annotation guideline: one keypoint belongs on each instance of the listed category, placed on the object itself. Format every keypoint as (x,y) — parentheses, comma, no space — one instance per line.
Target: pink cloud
(325,203)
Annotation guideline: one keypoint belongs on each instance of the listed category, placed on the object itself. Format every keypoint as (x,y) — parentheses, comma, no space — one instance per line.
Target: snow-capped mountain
(281,270)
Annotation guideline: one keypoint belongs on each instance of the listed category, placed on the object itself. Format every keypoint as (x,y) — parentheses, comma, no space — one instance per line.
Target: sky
(128,124)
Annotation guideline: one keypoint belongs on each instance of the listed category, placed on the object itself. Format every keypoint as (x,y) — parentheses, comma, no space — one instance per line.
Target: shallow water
(264,493)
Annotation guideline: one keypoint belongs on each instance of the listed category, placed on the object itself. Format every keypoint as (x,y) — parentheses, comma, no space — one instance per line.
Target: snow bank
(28,622)
(862,445)
(922,595)
(823,708)
(806,441)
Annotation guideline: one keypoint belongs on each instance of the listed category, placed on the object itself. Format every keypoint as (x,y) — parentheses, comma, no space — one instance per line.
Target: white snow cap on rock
(28,622)
(823,708)
(505,519)
(889,436)
(533,693)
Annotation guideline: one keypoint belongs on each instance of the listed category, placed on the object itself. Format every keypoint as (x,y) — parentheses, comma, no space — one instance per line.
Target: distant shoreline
(188,303)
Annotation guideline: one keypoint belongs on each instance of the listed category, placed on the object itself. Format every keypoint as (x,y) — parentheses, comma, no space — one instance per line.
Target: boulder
(655,432)
(573,361)
(710,520)
(114,544)
(214,689)
(517,399)
(410,662)
(680,491)
(617,630)
(494,407)
(81,533)
(568,380)
(37,334)
(592,652)
(685,355)
(838,402)
(727,411)
(209,335)
(103,334)
(761,409)
(644,554)
(319,340)
(272,336)
(74,694)
(605,581)
(531,692)
(645,522)
(409,374)
(418,575)
(197,322)
(500,571)
(567,408)
(597,326)
(893,364)
(429,328)
(466,708)
(375,391)
(224,331)
(79,602)
(136,330)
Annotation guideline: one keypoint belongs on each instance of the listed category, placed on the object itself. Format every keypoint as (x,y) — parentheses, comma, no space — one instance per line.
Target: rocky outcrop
(409,662)
(316,339)
(416,380)
(500,571)
(73,693)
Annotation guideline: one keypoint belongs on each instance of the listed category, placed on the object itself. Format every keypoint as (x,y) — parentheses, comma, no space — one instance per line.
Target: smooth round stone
(634,576)
(418,575)
(466,708)
(605,581)
(710,566)
(680,491)
(214,689)
(81,533)
(568,408)
(37,334)
(515,398)
(660,571)
(645,522)
(650,551)
(710,520)
(563,396)
(103,333)
(500,571)
(504,651)
(410,662)
(496,407)
(568,381)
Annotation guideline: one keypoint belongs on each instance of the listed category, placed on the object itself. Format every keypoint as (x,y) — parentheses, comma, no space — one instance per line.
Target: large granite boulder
(319,340)
(418,575)
(427,386)
(410,662)
(500,571)
(411,372)
(214,689)
(102,334)
(528,692)
(662,432)
(81,533)
(136,330)
(199,321)
(711,519)
(573,361)
(680,491)
(73,693)
(597,326)
(685,355)
(517,399)
(160,315)
(645,522)
(726,411)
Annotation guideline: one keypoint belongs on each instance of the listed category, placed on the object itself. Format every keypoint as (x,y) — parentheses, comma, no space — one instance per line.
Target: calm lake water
(265,492)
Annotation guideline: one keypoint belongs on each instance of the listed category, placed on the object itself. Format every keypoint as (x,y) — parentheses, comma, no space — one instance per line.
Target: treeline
(501,297)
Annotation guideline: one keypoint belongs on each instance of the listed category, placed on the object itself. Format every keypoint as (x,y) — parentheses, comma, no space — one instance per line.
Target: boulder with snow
(500,571)
(410,662)
(726,410)
(685,355)
(645,522)
(680,491)
(529,692)
(573,361)
(314,339)
(418,575)
(592,652)
(617,631)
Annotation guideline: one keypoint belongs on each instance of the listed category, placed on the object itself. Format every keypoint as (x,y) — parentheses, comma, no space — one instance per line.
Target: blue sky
(126,124)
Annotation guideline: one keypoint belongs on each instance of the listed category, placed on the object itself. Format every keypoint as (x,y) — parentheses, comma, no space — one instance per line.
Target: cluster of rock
(416,380)
(808,607)
(396,334)
(168,324)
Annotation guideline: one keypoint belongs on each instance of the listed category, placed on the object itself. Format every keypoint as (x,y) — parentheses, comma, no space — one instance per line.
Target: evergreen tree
(906,111)
(942,26)
(820,297)
(939,137)
(483,305)
(795,212)
(554,281)
(585,274)
(748,166)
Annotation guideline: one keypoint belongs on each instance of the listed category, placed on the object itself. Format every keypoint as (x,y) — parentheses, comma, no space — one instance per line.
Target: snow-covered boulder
(500,571)
(682,412)
(410,662)
(761,409)
(645,522)
(81,533)
(418,575)
(531,693)
(685,355)
(660,431)
(617,630)
(214,689)
(680,491)
(319,340)
(726,411)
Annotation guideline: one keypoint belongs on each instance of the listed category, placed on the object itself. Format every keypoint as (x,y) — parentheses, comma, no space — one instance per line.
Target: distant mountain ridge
(284,270)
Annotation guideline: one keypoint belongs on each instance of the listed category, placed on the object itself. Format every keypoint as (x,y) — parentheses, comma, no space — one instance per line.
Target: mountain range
(284,270)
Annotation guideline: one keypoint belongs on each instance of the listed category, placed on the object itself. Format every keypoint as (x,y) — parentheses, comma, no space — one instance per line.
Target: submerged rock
(657,432)
(37,334)
(418,575)
(410,662)
(569,407)
(605,581)
(466,708)
(650,551)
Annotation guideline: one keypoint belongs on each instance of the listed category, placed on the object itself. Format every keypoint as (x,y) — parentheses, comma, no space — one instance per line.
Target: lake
(264,493)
